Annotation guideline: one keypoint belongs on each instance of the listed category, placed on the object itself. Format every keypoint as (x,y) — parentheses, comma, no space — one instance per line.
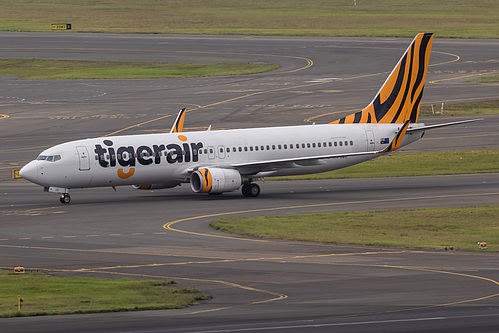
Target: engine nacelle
(215,180)
(155,186)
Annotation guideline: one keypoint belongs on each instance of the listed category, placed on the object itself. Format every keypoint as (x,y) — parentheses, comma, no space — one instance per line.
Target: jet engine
(215,180)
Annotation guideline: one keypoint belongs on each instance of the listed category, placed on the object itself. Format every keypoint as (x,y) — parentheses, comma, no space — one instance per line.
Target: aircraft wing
(269,165)
(178,125)
(277,164)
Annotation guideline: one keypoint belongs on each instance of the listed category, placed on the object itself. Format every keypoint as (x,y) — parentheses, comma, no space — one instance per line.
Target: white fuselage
(169,158)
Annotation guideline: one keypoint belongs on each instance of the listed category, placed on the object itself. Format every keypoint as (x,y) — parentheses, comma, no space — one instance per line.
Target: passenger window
(313,144)
(285,146)
(308,145)
(303,145)
(330,144)
(245,148)
(351,143)
(341,143)
(268,147)
(319,144)
(346,143)
(206,151)
(273,147)
(336,144)
(262,147)
(256,148)
(251,148)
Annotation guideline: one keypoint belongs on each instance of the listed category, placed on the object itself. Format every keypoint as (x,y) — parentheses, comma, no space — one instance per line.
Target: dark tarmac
(256,284)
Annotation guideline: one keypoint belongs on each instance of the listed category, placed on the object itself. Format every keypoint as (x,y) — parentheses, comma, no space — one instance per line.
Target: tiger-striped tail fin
(399,99)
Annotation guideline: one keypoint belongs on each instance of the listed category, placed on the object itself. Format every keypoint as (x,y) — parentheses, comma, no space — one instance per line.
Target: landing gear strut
(250,190)
(65,198)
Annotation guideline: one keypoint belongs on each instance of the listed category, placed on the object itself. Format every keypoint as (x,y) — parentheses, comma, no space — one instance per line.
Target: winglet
(397,141)
(399,98)
(178,125)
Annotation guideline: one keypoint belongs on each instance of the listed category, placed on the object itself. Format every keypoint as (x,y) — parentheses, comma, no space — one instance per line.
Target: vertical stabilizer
(399,99)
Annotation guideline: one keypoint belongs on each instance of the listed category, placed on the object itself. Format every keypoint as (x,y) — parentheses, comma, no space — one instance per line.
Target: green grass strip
(459,19)
(461,109)
(48,295)
(43,69)
(461,228)
(415,164)
(487,79)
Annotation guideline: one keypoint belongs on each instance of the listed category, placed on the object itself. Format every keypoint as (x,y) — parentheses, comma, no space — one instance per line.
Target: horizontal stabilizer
(442,125)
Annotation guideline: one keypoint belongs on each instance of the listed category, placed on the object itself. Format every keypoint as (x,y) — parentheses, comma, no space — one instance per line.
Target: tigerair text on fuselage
(129,156)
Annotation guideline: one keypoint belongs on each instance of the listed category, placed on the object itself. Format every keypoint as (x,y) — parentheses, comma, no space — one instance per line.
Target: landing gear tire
(65,198)
(251,190)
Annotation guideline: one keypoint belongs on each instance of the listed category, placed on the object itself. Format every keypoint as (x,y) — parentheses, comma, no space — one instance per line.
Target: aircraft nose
(30,171)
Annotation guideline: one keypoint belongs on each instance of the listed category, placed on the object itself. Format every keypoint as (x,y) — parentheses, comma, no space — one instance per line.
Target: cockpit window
(51,158)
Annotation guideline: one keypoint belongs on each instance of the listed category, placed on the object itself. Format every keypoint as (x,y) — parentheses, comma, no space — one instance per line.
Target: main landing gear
(65,198)
(250,190)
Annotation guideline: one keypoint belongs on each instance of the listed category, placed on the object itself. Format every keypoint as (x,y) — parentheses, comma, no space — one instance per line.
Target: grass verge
(42,69)
(487,79)
(461,109)
(415,164)
(461,228)
(47,295)
(460,19)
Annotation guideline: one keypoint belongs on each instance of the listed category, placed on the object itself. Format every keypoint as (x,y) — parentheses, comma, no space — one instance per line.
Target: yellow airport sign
(65,26)
(16,175)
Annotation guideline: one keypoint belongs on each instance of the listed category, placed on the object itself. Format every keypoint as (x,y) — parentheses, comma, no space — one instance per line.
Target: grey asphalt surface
(257,285)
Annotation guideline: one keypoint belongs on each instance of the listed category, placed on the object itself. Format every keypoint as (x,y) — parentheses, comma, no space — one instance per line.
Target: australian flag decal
(385,141)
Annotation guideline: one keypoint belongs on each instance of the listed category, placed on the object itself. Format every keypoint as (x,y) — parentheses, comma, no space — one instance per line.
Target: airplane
(226,160)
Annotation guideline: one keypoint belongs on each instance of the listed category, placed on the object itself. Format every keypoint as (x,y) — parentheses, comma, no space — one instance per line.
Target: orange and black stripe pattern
(399,99)
(207,180)
(179,122)
(397,141)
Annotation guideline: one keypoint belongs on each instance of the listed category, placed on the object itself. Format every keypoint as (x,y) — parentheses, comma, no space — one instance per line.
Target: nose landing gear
(65,198)
(64,193)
